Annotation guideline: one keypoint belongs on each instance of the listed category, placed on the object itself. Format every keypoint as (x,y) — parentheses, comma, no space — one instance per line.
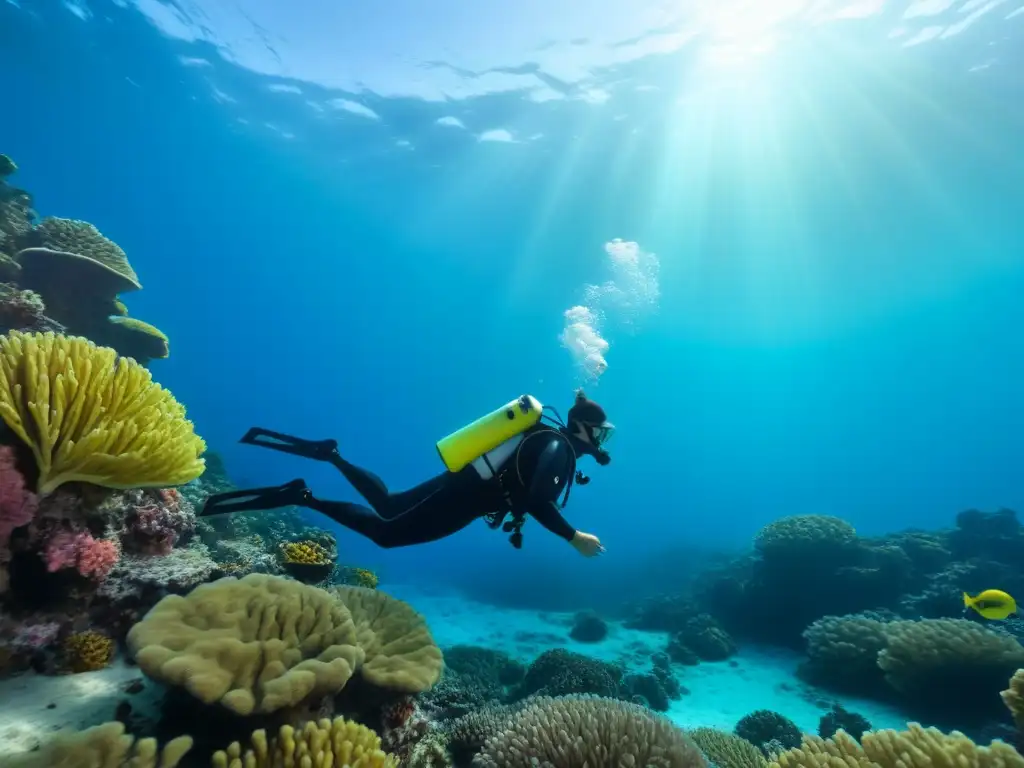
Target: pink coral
(79,550)
(18,505)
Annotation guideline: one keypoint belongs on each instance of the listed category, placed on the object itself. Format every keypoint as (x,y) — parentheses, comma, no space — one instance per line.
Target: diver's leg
(366,483)
(270,497)
(439,508)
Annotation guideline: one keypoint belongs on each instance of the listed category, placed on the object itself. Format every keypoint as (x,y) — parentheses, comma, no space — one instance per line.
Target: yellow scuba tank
(488,432)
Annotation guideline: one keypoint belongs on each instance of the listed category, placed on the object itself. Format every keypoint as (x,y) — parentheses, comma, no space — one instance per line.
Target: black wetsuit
(529,482)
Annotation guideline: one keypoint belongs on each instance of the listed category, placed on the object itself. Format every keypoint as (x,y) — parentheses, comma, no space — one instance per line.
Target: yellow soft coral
(92,417)
(916,747)
(326,743)
(87,651)
(305,553)
(104,746)
(365,578)
(357,577)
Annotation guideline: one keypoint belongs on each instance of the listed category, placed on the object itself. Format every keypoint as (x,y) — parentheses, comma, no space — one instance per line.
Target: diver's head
(590,427)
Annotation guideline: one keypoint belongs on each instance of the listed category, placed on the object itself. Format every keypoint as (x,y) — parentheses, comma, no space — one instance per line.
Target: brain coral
(400,652)
(261,643)
(804,535)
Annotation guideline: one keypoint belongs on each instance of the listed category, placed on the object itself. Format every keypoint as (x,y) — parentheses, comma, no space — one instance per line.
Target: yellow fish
(992,604)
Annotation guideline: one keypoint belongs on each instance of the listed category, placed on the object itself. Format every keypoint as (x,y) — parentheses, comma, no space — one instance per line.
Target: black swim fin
(290,494)
(321,450)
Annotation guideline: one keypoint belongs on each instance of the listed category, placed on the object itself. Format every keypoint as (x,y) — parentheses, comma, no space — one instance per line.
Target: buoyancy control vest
(493,446)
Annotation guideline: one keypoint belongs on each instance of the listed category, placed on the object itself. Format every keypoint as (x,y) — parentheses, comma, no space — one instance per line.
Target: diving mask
(601,434)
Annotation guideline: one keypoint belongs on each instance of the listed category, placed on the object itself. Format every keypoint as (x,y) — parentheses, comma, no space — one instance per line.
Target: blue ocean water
(368,223)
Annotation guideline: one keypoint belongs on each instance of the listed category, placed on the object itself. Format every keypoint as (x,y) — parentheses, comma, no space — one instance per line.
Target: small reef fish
(992,604)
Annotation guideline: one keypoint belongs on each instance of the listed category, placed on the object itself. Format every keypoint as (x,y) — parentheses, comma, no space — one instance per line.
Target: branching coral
(916,747)
(104,746)
(337,742)
(92,417)
(87,651)
(358,577)
(305,553)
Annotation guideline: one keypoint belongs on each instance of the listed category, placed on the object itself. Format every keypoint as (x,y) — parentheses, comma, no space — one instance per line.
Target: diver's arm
(548,515)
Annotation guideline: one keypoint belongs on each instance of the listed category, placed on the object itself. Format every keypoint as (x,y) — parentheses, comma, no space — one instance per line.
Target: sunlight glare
(741,32)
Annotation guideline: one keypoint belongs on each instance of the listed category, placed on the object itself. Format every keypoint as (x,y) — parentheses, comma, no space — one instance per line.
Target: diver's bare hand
(587,544)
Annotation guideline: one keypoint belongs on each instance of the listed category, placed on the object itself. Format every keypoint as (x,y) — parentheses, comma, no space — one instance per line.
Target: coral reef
(74,272)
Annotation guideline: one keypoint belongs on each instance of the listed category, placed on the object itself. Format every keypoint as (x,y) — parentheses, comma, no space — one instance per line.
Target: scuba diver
(510,462)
